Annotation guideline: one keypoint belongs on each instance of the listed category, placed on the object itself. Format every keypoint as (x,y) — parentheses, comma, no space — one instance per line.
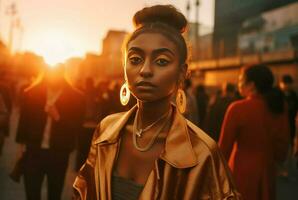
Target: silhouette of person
(286,85)
(255,133)
(50,119)
(217,110)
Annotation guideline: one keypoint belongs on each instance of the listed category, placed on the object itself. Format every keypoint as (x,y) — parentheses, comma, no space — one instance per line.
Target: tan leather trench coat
(190,167)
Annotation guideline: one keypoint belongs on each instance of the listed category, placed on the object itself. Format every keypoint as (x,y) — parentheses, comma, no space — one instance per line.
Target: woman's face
(152,67)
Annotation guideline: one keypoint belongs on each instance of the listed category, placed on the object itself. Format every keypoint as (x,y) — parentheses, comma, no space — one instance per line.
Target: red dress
(252,139)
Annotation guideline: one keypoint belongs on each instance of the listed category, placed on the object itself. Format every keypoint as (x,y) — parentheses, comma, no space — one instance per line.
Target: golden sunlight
(55,47)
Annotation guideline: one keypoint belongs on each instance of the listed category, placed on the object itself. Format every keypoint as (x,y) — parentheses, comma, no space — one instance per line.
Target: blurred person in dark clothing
(191,111)
(113,92)
(202,104)
(217,110)
(92,115)
(255,133)
(5,109)
(286,85)
(50,120)
(296,139)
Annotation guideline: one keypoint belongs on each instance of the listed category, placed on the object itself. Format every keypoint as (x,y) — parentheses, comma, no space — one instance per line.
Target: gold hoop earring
(181,101)
(124,94)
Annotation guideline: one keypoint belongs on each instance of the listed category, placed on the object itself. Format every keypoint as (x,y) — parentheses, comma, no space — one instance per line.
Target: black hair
(187,83)
(229,87)
(263,79)
(287,79)
(163,19)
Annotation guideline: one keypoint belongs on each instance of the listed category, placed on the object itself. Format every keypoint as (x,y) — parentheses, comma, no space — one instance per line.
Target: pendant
(139,133)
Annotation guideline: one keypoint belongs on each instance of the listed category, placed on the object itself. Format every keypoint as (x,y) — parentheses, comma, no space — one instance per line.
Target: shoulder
(201,142)
(239,105)
(111,119)
(108,122)
(205,148)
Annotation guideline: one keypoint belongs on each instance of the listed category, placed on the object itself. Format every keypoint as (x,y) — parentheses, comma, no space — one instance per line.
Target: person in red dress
(255,133)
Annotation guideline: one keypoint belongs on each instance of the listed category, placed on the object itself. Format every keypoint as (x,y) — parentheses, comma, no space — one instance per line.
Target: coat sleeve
(212,174)
(229,131)
(215,178)
(221,171)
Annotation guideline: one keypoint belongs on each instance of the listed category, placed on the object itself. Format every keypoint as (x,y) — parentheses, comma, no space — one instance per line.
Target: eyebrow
(155,51)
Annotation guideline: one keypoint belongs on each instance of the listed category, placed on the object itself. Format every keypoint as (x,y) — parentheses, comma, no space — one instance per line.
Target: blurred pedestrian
(50,119)
(202,104)
(191,111)
(296,140)
(255,133)
(91,117)
(5,110)
(217,110)
(286,85)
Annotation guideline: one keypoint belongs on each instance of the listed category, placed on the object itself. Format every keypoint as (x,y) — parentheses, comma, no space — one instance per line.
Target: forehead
(152,41)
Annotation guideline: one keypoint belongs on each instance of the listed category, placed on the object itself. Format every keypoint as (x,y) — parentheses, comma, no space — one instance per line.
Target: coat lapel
(178,153)
(107,147)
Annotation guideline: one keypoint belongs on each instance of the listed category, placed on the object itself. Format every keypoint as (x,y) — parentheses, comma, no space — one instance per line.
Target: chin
(153,98)
(146,98)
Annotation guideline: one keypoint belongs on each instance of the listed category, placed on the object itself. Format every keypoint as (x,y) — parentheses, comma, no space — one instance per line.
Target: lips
(145,84)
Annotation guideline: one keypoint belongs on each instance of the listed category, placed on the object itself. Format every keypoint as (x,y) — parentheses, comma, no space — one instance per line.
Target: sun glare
(55,47)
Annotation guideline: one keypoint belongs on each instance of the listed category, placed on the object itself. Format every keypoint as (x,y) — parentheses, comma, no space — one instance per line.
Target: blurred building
(112,53)
(229,17)
(108,65)
(4,57)
(200,45)
(270,31)
(245,32)
(101,67)
(27,65)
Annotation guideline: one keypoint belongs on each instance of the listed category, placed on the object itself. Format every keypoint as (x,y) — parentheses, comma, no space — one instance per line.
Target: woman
(255,133)
(152,151)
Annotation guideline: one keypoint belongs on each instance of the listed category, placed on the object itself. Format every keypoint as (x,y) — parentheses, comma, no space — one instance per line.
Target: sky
(59,29)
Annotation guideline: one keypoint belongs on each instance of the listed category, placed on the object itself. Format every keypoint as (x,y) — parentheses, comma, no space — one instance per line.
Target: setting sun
(55,47)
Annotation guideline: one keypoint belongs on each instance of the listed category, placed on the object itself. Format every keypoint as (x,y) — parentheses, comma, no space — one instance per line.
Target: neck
(150,111)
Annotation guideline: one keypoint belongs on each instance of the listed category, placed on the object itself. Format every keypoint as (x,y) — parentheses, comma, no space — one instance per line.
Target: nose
(146,69)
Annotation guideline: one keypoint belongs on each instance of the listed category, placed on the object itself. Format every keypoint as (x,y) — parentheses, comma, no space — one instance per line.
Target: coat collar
(178,150)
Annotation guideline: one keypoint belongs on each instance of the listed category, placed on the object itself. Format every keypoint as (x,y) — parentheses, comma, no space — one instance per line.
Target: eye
(162,61)
(135,60)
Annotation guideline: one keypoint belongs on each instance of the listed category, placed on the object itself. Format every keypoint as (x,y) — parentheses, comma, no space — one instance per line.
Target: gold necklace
(149,145)
(140,131)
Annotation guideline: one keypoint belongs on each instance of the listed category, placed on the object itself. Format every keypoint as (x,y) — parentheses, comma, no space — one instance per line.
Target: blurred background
(87,35)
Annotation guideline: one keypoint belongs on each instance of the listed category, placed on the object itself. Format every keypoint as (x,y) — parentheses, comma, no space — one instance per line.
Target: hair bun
(166,14)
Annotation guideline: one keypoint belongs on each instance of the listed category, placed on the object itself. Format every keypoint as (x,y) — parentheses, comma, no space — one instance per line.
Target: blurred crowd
(49,103)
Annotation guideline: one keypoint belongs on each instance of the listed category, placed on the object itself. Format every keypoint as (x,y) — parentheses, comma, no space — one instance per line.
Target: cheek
(169,82)
(131,78)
